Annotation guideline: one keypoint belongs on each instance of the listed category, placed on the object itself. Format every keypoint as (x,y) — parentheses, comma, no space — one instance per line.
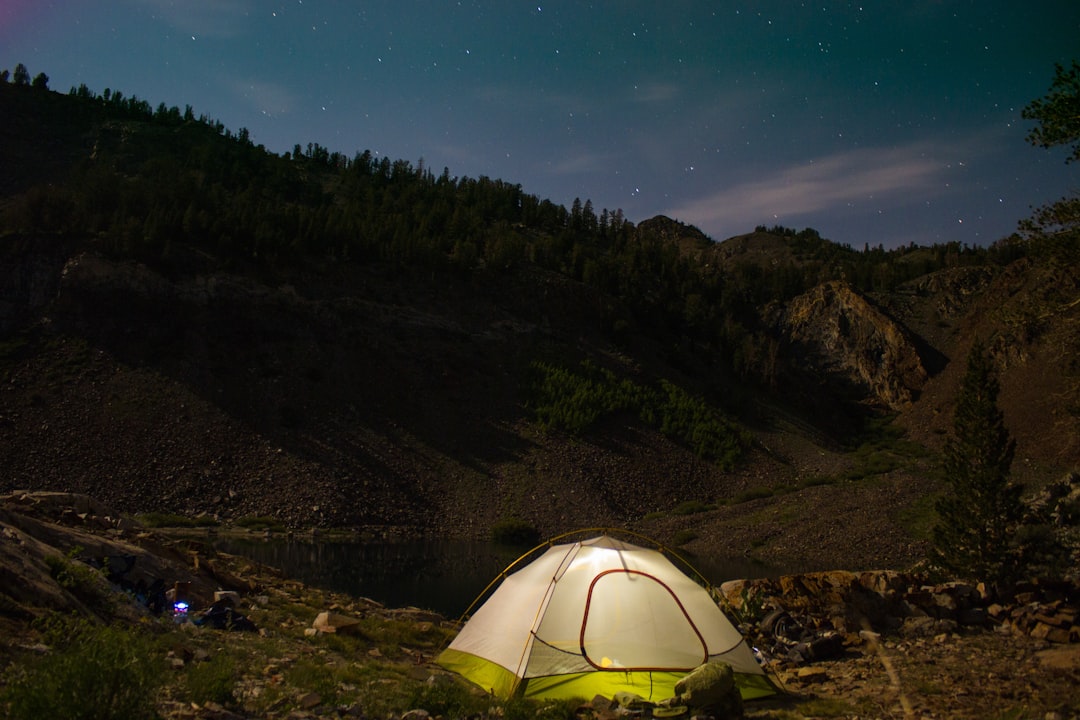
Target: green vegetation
(1049,537)
(691,507)
(515,531)
(755,493)
(980,511)
(172,520)
(93,672)
(753,605)
(983,530)
(81,580)
(689,419)
(683,537)
(883,448)
(261,522)
(1052,233)
(1058,114)
(11,347)
(213,680)
(108,672)
(448,700)
(920,517)
(573,401)
(761,492)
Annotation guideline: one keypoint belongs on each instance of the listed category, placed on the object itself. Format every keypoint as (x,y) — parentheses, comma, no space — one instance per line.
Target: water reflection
(441,575)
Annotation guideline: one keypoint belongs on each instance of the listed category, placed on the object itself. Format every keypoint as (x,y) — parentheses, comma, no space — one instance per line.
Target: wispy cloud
(580,163)
(655,92)
(273,99)
(208,18)
(863,176)
(550,102)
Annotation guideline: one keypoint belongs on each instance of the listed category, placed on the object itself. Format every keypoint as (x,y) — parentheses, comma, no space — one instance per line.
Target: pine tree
(1058,114)
(979,514)
(21,76)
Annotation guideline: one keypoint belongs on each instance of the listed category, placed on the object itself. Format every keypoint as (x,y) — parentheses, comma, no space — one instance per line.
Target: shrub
(705,430)
(170,520)
(684,536)
(514,531)
(262,522)
(212,681)
(691,507)
(872,463)
(574,400)
(756,493)
(81,580)
(449,699)
(311,675)
(817,480)
(91,673)
(753,604)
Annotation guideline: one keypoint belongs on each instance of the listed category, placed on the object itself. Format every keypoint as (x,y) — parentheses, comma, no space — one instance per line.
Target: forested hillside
(191,323)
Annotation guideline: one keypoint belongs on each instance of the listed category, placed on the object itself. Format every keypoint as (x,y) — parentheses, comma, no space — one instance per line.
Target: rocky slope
(347,396)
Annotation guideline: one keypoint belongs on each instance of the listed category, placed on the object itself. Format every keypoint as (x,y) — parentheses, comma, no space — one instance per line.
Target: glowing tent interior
(596,617)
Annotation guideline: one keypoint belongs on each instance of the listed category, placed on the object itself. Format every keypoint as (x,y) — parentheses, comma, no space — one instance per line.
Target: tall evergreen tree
(980,511)
(21,76)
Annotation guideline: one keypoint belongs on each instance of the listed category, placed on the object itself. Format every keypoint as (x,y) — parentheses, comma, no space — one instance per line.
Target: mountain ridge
(303,338)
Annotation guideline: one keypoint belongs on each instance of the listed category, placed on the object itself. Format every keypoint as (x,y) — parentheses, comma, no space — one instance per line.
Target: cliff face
(839,336)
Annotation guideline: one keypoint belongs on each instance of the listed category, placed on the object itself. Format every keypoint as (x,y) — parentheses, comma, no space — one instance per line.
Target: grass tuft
(91,672)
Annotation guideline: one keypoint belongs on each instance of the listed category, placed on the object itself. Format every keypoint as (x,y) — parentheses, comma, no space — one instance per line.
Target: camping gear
(597,617)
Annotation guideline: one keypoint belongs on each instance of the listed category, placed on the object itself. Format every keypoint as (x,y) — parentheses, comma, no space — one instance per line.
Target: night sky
(879,123)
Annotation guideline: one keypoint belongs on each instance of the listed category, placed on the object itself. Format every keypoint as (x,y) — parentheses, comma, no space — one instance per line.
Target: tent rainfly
(597,617)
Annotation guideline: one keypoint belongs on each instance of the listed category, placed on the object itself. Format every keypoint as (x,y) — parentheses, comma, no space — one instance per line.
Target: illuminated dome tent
(597,617)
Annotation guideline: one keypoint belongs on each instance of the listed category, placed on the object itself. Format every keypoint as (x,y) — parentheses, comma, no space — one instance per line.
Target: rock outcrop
(858,606)
(839,333)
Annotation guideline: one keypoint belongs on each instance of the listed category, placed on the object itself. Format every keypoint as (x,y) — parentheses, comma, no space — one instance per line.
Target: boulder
(1066,658)
(331,622)
(711,687)
(227,596)
(310,700)
(811,675)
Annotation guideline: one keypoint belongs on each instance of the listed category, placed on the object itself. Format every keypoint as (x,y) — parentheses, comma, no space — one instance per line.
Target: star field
(873,123)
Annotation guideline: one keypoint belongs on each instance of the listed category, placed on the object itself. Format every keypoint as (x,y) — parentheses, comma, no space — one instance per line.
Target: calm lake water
(441,575)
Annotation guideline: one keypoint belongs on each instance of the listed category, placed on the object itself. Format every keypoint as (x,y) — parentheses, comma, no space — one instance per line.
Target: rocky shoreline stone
(859,605)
